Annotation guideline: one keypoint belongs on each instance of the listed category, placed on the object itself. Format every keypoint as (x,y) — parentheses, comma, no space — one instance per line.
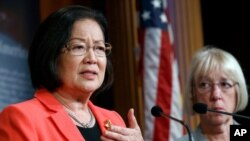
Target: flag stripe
(164,88)
(176,129)
(152,48)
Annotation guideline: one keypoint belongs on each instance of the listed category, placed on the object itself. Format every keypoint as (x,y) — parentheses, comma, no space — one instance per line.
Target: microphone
(201,108)
(158,112)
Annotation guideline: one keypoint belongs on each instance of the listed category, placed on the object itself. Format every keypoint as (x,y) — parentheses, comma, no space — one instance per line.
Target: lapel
(100,118)
(58,115)
(102,115)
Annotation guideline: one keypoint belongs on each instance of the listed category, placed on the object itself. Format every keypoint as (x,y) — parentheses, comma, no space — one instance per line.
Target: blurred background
(193,23)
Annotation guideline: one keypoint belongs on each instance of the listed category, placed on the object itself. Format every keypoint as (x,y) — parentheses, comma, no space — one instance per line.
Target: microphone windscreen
(156,111)
(200,108)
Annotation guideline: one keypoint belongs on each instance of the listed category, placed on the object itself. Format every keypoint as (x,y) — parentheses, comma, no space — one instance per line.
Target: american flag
(160,72)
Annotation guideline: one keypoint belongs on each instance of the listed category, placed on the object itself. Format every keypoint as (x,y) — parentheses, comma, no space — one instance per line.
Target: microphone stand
(182,122)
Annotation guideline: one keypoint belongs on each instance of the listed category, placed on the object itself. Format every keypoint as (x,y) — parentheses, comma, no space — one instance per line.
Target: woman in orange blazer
(69,61)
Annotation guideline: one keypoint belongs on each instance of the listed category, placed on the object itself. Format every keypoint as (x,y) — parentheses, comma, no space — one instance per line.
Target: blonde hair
(211,58)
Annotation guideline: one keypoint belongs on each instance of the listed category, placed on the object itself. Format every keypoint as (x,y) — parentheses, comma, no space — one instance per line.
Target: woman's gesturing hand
(118,133)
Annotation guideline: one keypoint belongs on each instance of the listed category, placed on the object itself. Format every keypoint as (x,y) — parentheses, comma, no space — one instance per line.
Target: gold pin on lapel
(107,124)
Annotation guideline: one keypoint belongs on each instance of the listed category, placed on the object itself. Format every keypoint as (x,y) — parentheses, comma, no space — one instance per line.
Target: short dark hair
(51,36)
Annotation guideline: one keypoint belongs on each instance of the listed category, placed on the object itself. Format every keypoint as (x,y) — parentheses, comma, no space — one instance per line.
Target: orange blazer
(43,118)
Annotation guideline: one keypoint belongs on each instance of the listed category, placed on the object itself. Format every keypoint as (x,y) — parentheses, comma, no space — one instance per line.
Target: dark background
(226,25)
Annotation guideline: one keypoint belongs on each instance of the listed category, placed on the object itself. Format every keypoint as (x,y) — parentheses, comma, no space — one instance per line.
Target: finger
(131,119)
(114,136)
(120,130)
(103,138)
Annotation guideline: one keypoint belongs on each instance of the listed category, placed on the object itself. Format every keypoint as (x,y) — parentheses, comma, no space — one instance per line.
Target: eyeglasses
(78,47)
(206,86)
